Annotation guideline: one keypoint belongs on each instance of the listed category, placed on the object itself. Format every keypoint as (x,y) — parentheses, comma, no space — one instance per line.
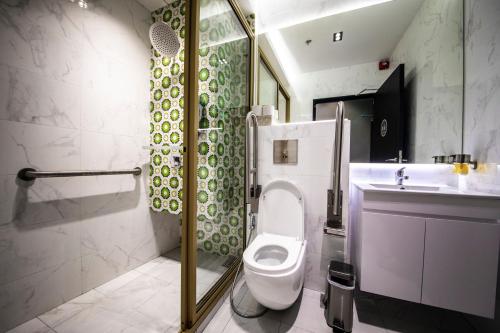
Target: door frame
(193,314)
(339,99)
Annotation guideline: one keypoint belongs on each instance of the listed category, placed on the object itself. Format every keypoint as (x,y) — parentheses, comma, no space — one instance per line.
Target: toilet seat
(291,245)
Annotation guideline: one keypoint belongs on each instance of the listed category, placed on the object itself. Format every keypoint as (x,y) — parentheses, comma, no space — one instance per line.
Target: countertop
(444,190)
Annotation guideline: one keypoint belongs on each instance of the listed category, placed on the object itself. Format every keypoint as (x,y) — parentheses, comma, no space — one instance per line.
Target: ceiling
(369,35)
(277,14)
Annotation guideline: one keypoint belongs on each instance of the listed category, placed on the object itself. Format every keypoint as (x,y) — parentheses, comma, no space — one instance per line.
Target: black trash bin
(338,296)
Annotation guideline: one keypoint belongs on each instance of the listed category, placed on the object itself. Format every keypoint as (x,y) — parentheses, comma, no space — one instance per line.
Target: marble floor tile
(69,309)
(237,324)
(306,313)
(117,283)
(146,299)
(32,326)
(167,270)
(220,320)
(292,329)
(305,316)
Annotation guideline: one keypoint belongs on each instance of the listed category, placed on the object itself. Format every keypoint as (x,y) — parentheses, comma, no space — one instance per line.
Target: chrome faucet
(400,176)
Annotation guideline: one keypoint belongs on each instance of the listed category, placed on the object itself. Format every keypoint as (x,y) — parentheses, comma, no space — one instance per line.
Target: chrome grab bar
(29,174)
(334,209)
(252,187)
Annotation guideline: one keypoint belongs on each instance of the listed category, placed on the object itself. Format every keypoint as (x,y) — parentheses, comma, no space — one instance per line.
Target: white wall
(312,175)
(74,94)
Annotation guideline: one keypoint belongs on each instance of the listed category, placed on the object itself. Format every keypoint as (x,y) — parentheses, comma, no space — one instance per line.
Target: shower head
(164,39)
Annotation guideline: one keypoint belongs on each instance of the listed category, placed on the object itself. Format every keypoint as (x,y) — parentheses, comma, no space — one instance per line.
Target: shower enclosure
(219,93)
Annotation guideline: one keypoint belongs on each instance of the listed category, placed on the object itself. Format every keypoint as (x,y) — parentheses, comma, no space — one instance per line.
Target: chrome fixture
(399,159)
(334,207)
(164,39)
(462,159)
(400,176)
(440,159)
(29,174)
(252,187)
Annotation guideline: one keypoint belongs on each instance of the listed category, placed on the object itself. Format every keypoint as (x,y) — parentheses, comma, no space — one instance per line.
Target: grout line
(50,327)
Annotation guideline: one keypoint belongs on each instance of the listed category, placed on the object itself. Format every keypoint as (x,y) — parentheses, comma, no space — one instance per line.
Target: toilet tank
(281,210)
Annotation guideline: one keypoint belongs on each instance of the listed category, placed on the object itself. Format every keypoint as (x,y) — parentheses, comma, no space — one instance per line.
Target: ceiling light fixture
(337,36)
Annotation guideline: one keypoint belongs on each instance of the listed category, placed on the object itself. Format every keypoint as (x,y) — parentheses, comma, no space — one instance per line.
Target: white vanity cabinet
(427,249)
(458,264)
(392,251)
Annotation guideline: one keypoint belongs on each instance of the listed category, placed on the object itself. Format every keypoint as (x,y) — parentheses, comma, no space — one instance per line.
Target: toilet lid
(281,210)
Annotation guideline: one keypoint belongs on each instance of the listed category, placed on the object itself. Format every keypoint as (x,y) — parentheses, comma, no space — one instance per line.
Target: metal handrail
(29,174)
(334,223)
(339,136)
(252,188)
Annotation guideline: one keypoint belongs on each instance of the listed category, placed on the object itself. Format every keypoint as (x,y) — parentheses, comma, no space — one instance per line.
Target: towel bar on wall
(28,174)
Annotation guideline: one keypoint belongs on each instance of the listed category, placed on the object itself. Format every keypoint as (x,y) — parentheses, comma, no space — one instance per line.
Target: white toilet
(274,261)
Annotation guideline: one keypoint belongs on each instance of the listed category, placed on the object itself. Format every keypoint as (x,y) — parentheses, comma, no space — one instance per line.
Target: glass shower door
(224,99)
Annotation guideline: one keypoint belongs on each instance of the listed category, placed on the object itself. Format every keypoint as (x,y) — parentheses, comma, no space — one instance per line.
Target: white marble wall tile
(39,147)
(26,251)
(482,94)
(104,151)
(27,204)
(115,96)
(43,37)
(74,94)
(25,298)
(107,250)
(431,50)
(126,24)
(32,98)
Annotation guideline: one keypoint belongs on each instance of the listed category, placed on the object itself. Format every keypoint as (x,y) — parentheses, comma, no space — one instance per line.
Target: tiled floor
(146,299)
(372,314)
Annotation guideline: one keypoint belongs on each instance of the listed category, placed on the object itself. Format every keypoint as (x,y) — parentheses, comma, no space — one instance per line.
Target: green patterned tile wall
(223,104)
(167,109)
(223,89)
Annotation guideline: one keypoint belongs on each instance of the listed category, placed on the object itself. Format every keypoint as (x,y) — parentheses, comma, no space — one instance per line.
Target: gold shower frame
(193,313)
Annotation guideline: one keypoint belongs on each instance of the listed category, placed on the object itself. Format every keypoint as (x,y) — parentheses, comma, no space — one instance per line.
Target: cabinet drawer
(392,252)
(460,266)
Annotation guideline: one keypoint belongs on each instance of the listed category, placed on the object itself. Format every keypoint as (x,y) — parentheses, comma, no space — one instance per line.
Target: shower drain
(229,261)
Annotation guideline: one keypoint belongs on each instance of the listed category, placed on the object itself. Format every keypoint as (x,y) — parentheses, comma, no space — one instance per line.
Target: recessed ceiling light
(337,36)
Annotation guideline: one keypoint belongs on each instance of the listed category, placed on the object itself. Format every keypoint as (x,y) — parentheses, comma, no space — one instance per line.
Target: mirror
(397,65)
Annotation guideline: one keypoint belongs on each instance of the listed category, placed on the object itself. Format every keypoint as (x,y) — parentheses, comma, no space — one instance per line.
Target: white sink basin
(407,187)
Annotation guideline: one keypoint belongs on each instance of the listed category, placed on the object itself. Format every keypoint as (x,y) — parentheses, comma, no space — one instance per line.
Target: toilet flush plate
(285,151)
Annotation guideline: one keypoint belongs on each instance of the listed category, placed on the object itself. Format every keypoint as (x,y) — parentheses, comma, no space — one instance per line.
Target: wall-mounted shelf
(164,147)
(210,129)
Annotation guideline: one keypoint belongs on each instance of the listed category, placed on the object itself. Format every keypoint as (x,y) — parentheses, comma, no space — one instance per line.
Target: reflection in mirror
(271,91)
(399,64)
